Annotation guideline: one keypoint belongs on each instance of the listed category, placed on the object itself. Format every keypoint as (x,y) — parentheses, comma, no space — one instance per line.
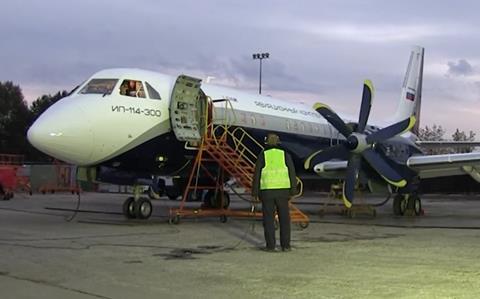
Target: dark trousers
(271,202)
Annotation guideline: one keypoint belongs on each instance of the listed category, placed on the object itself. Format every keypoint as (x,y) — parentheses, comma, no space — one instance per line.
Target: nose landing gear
(140,209)
(137,207)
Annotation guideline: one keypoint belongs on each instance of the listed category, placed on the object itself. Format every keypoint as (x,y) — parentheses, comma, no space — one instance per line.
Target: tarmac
(49,251)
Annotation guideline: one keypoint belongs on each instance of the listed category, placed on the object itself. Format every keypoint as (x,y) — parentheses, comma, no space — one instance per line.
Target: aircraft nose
(63,132)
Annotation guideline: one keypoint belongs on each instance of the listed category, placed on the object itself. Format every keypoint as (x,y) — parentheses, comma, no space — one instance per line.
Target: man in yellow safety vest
(274,182)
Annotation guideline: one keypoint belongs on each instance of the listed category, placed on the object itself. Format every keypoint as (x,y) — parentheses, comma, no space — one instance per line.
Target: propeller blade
(390,131)
(383,168)
(366,105)
(353,169)
(335,152)
(333,119)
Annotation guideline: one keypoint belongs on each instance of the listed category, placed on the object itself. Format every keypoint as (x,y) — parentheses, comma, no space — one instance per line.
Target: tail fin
(411,96)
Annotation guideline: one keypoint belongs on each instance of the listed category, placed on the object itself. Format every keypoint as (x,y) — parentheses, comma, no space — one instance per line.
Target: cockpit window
(75,89)
(132,88)
(99,86)
(152,92)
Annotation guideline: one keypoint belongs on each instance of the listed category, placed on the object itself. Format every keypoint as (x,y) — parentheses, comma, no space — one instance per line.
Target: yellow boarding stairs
(226,148)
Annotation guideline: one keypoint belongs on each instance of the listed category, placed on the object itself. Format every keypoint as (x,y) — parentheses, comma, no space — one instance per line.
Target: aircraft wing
(430,166)
(427,166)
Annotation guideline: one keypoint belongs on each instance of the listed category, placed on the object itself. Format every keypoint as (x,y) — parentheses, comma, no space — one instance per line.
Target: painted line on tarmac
(82,211)
(397,225)
(46,283)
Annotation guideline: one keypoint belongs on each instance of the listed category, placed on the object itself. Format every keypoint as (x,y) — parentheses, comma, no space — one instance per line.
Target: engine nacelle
(330,166)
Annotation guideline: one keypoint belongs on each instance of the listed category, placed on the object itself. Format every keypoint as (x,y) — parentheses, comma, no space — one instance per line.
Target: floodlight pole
(260,79)
(260,56)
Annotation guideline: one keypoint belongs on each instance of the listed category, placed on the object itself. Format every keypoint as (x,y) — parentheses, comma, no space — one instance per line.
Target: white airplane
(131,123)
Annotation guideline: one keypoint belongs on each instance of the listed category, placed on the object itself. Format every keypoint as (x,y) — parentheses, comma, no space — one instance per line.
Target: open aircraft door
(187,109)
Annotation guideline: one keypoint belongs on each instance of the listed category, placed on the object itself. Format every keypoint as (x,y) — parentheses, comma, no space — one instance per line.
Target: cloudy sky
(320,50)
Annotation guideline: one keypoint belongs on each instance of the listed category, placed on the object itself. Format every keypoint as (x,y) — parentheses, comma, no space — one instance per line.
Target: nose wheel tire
(129,208)
(143,208)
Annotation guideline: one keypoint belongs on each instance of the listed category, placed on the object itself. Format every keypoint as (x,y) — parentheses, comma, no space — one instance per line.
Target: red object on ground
(11,175)
(8,177)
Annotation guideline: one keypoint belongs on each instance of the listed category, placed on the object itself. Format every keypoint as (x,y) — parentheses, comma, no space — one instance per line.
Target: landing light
(56,134)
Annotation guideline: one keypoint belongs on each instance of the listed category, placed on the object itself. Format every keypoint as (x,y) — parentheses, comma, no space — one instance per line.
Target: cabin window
(327,130)
(302,126)
(295,125)
(243,117)
(152,92)
(253,119)
(132,88)
(99,86)
(263,123)
(310,128)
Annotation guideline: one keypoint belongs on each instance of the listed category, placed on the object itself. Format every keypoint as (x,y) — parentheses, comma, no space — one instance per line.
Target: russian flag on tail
(410,96)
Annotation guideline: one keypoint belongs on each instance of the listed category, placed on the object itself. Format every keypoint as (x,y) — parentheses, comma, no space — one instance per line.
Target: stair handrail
(238,137)
(221,136)
(229,116)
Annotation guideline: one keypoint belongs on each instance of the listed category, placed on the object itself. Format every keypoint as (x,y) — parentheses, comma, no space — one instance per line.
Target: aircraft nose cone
(63,132)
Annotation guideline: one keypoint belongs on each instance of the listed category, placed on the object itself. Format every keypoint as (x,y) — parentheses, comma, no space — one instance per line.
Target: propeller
(360,146)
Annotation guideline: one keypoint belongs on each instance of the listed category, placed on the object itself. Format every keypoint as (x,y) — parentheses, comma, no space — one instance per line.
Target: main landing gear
(213,199)
(137,207)
(407,204)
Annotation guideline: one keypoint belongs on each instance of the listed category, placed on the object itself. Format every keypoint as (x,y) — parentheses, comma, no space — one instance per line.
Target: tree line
(16,116)
(437,133)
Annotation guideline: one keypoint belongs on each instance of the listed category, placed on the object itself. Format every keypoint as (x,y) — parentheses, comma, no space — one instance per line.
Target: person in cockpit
(132,88)
(124,88)
(128,88)
(139,89)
